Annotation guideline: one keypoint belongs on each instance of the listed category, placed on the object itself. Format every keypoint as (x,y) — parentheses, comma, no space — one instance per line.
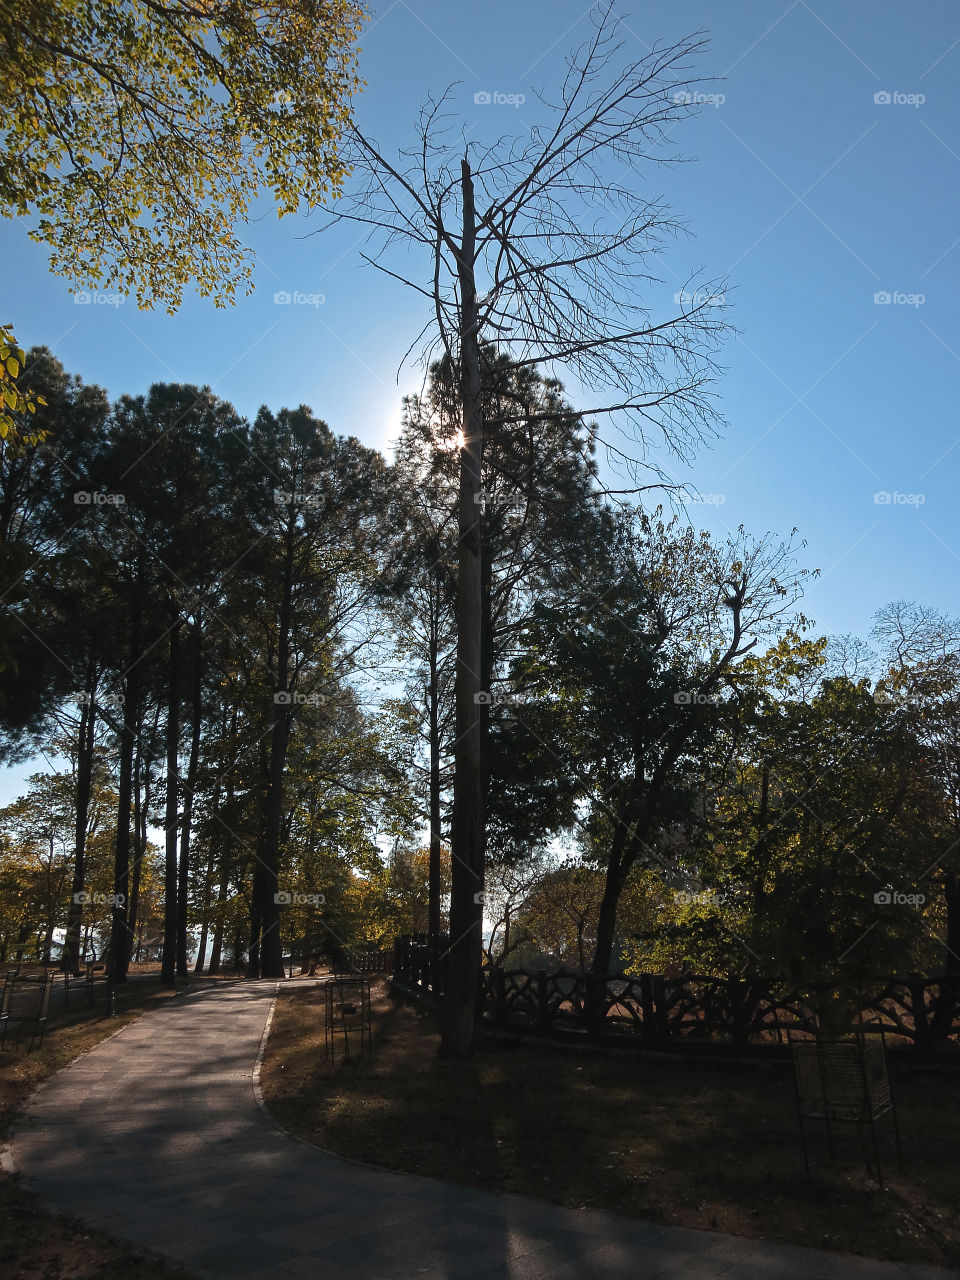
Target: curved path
(156,1135)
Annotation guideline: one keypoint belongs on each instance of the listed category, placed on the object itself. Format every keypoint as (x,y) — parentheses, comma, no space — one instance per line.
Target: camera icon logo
(283,698)
(281,297)
(478,899)
(283,898)
(482,98)
(882,98)
(883,897)
(483,698)
(882,298)
(82,498)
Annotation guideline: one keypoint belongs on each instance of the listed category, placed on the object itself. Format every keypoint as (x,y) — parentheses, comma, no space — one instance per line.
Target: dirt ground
(35,1244)
(689,1143)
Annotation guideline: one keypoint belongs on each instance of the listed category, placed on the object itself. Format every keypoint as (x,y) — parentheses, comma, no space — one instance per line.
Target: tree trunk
(270,949)
(226,852)
(205,893)
(71,944)
(467,833)
(184,872)
(433,695)
(616,875)
(267,960)
(216,951)
(169,966)
(946,1006)
(120,938)
(141,813)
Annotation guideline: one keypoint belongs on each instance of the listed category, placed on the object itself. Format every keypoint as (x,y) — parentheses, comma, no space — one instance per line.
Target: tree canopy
(138,135)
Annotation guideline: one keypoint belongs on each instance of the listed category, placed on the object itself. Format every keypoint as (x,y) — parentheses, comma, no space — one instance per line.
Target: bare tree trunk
(267,871)
(266,961)
(141,813)
(618,868)
(467,835)
(168,968)
(71,945)
(949,1000)
(216,951)
(205,894)
(120,939)
(184,872)
(433,694)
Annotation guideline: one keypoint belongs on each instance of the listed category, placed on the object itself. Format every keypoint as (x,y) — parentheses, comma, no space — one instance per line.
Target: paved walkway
(156,1136)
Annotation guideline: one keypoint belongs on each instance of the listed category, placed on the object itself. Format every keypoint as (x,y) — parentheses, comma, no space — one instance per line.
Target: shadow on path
(156,1135)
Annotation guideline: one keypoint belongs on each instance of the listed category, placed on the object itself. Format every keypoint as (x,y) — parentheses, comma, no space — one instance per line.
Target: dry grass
(687,1143)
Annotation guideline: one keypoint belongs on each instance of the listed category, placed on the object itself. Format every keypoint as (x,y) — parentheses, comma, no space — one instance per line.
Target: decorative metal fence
(347,961)
(653,1011)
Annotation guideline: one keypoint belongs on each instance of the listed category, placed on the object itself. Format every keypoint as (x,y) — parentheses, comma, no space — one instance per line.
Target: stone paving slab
(157,1135)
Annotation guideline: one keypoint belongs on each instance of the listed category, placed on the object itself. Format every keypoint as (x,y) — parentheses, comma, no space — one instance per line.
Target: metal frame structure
(20,1004)
(346,1013)
(844,1081)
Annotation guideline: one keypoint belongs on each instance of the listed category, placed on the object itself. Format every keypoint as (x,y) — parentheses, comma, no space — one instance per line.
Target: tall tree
(520,250)
(625,684)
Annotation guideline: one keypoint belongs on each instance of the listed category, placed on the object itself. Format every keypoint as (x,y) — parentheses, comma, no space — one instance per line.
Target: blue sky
(811,194)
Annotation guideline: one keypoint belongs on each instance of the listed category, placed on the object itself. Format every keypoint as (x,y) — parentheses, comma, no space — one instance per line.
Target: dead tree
(542,245)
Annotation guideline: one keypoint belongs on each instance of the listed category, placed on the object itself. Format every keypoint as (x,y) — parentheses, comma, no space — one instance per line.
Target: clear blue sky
(810,194)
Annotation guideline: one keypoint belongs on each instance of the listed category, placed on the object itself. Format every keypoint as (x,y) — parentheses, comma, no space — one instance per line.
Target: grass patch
(688,1143)
(33,1241)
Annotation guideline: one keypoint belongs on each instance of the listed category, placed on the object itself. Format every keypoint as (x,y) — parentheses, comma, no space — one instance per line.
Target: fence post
(738,1010)
(921,1028)
(594,989)
(543,1011)
(661,1027)
(499,997)
(648,1031)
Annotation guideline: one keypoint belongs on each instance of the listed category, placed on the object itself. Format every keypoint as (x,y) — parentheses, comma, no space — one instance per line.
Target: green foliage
(139,134)
(14,400)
